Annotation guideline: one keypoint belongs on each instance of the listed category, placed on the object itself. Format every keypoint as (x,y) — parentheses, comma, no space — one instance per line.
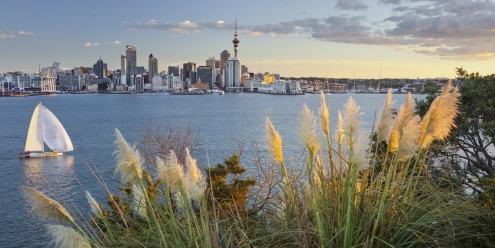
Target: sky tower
(236,39)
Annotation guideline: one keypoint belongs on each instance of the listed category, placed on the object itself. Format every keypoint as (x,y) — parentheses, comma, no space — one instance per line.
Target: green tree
(468,156)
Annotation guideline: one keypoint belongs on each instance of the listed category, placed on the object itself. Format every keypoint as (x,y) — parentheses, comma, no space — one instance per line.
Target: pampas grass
(95,208)
(194,181)
(308,131)
(439,119)
(45,207)
(128,160)
(385,121)
(66,237)
(171,172)
(139,201)
(408,142)
(324,116)
(274,141)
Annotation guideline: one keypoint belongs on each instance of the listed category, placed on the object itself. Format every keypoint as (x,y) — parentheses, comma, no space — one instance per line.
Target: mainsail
(46,128)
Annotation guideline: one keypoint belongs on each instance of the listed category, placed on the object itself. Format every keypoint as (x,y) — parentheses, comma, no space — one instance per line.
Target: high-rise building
(140,70)
(123,69)
(187,68)
(205,75)
(193,77)
(100,69)
(211,63)
(152,66)
(131,68)
(233,71)
(224,56)
(175,70)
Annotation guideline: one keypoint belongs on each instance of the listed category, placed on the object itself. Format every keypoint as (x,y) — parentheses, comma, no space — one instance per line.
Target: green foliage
(231,197)
(431,89)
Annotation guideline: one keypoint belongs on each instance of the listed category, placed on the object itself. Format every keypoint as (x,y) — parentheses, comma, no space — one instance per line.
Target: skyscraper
(152,66)
(100,69)
(224,56)
(211,63)
(187,68)
(175,70)
(131,69)
(233,71)
(123,69)
(205,75)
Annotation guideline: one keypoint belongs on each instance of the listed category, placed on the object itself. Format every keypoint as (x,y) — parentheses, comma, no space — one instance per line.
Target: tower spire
(236,38)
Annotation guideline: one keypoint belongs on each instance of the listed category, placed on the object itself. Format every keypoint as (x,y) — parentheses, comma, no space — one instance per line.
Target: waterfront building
(187,68)
(268,78)
(211,63)
(131,64)
(205,75)
(123,69)
(175,70)
(69,82)
(158,83)
(100,69)
(174,83)
(152,67)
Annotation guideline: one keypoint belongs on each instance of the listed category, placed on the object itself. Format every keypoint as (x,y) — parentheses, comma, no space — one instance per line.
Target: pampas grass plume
(359,156)
(408,142)
(66,237)
(128,160)
(138,201)
(340,129)
(194,180)
(95,208)
(439,119)
(351,120)
(45,207)
(308,132)
(274,141)
(171,172)
(324,116)
(385,121)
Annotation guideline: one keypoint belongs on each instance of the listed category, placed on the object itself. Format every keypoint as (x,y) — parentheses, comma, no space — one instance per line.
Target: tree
(469,153)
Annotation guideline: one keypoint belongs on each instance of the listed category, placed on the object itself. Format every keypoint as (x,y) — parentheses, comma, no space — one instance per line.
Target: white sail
(34,140)
(45,128)
(54,133)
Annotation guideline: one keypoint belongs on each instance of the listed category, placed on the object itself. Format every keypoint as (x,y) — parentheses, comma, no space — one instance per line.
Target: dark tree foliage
(467,158)
(229,194)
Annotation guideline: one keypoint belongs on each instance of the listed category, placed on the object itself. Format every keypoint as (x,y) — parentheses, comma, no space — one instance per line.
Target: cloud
(116,42)
(351,5)
(6,35)
(24,33)
(451,29)
(91,44)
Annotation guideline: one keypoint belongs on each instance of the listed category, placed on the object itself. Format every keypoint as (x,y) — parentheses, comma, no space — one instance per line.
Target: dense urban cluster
(216,76)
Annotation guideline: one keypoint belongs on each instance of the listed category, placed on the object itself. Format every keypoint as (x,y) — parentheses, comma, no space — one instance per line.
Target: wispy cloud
(91,44)
(25,33)
(11,35)
(451,29)
(116,42)
(351,5)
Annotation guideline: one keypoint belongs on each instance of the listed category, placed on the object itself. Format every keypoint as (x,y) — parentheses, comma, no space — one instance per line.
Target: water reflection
(50,173)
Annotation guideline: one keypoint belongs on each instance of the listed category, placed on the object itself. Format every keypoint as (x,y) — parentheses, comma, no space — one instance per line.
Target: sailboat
(45,128)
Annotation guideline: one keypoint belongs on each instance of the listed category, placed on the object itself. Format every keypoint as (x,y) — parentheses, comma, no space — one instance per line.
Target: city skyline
(358,38)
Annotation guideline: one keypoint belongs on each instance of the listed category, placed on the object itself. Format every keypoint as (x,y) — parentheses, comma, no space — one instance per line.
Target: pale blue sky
(338,38)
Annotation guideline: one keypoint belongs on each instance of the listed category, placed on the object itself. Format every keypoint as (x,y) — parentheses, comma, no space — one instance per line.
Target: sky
(295,38)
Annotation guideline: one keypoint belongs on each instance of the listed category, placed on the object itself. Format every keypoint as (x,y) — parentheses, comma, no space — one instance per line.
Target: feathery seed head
(408,142)
(63,237)
(385,121)
(308,130)
(195,184)
(439,119)
(274,141)
(324,116)
(340,129)
(45,207)
(95,208)
(138,201)
(171,172)
(128,160)
(351,121)
(359,156)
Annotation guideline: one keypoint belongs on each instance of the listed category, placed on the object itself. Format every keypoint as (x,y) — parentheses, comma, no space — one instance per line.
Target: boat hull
(41,154)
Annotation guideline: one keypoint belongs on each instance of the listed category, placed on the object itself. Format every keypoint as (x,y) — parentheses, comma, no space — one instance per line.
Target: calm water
(223,122)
